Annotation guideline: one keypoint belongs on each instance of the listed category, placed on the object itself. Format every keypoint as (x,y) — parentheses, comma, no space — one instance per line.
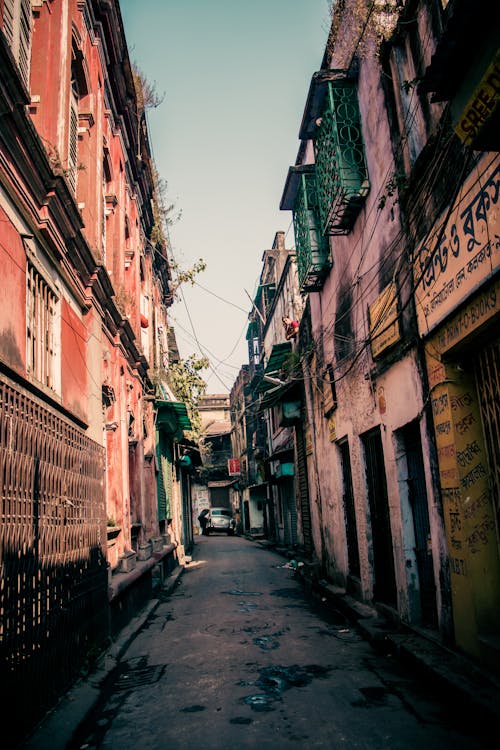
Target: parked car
(221,520)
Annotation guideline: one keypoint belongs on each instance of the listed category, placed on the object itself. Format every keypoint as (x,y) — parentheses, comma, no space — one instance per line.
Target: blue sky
(235,76)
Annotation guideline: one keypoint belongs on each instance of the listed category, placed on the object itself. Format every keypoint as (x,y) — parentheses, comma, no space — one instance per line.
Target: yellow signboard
(384,323)
(463,249)
(481,105)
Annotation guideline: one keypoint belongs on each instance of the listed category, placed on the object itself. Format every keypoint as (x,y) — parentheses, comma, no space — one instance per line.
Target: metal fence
(53,573)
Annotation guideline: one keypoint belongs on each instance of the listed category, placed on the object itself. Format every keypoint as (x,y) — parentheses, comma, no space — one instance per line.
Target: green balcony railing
(341,171)
(313,251)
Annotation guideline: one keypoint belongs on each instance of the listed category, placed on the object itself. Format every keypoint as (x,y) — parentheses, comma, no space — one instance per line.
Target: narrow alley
(250,282)
(239,656)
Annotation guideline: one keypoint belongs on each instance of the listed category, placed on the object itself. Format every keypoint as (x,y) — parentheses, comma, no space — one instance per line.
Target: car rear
(221,521)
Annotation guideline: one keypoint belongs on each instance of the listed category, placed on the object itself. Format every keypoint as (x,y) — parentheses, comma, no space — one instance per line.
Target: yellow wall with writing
(467,506)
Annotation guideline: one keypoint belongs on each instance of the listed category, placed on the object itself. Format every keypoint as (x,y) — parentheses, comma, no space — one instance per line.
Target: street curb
(475,689)
(58,727)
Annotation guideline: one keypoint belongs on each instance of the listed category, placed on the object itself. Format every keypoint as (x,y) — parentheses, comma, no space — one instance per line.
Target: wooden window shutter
(8,21)
(17,31)
(73,141)
(24,40)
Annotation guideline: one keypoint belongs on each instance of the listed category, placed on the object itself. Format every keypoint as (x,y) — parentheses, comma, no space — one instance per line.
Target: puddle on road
(192,709)
(239,592)
(266,643)
(261,702)
(236,628)
(275,680)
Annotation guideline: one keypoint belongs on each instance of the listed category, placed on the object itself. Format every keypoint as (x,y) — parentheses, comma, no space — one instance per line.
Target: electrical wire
(411,114)
(378,265)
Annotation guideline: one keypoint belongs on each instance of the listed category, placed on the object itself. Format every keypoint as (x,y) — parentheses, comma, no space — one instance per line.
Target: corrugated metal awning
(274,366)
(173,416)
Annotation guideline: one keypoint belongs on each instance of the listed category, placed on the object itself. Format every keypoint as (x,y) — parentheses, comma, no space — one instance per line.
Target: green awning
(172,417)
(274,366)
(252,330)
(274,394)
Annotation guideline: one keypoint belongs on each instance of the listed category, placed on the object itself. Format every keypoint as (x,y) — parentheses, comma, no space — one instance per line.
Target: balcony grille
(53,580)
(341,172)
(313,256)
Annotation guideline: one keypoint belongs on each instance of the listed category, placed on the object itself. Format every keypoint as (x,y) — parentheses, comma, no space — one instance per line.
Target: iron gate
(305,503)
(53,573)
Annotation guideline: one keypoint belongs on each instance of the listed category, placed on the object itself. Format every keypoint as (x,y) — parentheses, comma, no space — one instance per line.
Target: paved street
(238,657)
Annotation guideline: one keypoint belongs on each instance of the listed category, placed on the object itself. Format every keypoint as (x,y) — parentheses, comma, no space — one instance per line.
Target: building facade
(85,290)
(394,200)
(273,401)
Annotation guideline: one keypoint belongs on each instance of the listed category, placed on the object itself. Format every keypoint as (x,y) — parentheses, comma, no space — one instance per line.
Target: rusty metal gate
(53,572)
(305,506)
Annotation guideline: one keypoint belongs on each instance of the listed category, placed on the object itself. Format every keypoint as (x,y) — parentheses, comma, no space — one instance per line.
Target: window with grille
(341,170)
(17,22)
(313,250)
(408,102)
(41,305)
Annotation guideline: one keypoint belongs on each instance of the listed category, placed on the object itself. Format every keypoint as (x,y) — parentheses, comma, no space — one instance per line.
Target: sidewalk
(56,730)
(473,688)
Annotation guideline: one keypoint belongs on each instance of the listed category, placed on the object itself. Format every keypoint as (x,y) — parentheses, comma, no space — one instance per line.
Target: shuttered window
(40,328)
(73,140)
(17,21)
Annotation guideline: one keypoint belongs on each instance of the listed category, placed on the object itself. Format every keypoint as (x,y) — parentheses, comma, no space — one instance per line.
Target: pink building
(399,356)
(84,291)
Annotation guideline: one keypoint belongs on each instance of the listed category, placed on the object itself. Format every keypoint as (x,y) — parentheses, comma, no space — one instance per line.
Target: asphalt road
(239,657)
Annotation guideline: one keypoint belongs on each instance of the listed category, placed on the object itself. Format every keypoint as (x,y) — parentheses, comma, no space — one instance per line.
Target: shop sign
(233,467)
(384,323)
(481,105)
(462,251)
(472,316)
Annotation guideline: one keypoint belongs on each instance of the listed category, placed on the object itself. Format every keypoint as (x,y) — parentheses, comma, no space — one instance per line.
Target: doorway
(384,585)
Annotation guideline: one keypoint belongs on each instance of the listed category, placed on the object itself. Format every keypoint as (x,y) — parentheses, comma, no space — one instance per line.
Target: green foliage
(398,183)
(188,275)
(407,85)
(124,300)
(146,93)
(188,385)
